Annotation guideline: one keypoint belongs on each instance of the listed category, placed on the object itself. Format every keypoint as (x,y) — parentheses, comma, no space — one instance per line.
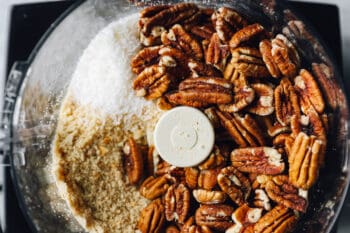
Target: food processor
(36,87)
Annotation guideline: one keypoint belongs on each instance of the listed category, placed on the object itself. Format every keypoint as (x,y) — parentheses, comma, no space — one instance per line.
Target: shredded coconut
(103,77)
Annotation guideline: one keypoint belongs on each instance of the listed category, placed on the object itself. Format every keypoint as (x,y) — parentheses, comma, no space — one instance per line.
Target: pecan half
(217,217)
(152,10)
(187,99)
(265,48)
(304,160)
(209,197)
(158,20)
(191,227)
(280,219)
(307,88)
(263,106)
(217,53)
(201,92)
(245,215)
(286,102)
(234,184)
(243,93)
(215,160)
(285,56)
(199,69)
(311,124)
(164,168)
(245,34)
(226,21)
(153,38)
(262,200)
(171,173)
(293,52)
(191,177)
(244,218)
(249,62)
(177,37)
(285,141)
(152,187)
(245,131)
(152,218)
(145,58)
(274,129)
(208,178)
(280,190)
(133,161)
(205,83)
(325,78)
(259,160)
(177,203)
(203,31)
(176,63)
(152,82)
(252,127)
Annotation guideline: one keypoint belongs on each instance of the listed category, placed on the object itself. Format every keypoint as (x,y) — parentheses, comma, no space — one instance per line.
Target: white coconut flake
(103,77)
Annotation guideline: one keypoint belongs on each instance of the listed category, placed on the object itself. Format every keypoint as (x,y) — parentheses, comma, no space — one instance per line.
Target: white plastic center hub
(184,136)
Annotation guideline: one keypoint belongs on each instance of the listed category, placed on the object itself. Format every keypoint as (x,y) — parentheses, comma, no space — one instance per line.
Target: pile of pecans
(271,117)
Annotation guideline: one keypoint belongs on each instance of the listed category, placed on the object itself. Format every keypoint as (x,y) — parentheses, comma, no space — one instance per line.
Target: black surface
(29,22)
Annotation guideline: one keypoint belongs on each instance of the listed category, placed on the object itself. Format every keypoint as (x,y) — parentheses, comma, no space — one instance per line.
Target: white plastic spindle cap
(184,136)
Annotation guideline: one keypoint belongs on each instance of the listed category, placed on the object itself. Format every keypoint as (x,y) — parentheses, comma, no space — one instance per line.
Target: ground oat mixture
(89,169)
